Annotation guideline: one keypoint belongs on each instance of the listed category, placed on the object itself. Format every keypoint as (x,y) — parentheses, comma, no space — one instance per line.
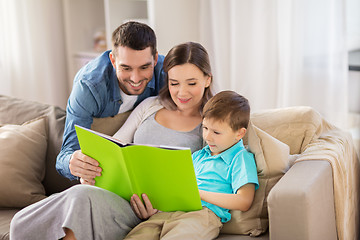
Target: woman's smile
(184,100)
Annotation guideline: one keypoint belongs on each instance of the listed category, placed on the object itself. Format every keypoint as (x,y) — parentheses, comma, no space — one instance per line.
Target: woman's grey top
(151,132)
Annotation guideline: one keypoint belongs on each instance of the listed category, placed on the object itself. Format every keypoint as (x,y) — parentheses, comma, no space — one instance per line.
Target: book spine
(128,159)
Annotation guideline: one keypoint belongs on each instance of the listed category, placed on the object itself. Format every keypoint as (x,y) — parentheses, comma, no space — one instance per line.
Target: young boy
(225,172)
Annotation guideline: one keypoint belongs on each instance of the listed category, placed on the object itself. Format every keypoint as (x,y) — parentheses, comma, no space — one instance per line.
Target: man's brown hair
(230,107)
(134,35)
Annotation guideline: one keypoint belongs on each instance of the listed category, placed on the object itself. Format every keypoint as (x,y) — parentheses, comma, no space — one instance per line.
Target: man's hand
(84,167)
(141,210)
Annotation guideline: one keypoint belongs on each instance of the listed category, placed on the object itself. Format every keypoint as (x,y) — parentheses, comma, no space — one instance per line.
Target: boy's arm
(242,200)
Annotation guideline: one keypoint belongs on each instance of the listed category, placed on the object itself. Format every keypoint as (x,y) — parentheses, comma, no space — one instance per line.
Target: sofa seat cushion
(22,160)
(5,218)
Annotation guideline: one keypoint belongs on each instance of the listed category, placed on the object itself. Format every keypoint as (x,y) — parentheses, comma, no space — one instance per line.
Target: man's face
(134,68)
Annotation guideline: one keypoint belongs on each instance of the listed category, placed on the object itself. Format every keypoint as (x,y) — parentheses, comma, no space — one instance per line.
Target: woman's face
(187,84)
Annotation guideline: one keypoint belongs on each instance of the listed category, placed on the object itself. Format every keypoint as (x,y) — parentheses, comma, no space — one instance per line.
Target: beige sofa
(298,158)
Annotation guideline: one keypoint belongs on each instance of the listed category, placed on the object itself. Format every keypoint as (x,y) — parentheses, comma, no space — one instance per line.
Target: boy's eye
(217,133)
(205,128)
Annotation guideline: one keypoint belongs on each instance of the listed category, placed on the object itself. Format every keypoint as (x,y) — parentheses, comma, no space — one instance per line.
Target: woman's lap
(90,212)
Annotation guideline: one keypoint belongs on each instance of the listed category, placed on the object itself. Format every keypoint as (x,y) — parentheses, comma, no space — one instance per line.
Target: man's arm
(242,200)
(70,162)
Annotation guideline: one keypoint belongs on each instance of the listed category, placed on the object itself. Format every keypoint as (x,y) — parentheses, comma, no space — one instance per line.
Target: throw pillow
(22,160)
(272,161)
(18,111)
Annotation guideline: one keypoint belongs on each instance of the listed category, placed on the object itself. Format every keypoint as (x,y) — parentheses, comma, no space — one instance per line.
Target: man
(113,83)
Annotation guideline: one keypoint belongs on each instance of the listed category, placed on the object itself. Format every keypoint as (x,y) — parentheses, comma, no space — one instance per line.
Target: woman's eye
(192,84)
(173,84)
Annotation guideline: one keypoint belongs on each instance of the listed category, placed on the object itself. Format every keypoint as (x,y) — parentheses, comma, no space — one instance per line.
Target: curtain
(280,53)
(32,47)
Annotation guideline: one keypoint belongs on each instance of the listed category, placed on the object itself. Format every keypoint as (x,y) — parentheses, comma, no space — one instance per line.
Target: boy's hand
(141,210)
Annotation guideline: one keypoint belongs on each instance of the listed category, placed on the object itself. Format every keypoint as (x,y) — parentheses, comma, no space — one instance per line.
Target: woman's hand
(142,211)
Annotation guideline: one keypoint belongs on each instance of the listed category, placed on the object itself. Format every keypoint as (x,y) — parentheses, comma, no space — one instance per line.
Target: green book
(165,174)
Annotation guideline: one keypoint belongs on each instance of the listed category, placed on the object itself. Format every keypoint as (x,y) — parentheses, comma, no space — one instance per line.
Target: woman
(173,118)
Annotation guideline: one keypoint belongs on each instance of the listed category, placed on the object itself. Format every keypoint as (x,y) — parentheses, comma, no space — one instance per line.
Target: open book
(164,173)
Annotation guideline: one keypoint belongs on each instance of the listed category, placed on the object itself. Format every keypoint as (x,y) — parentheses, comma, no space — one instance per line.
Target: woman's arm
(242,200)
(137,116)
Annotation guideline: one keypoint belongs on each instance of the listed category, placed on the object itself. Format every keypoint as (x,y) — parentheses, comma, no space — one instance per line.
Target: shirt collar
(228,154)
(116,88)
(151,84)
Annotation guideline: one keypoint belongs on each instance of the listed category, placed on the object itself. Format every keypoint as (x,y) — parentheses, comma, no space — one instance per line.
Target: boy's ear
(240,133)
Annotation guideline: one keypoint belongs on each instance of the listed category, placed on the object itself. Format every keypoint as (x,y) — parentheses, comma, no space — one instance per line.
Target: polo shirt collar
(229,154)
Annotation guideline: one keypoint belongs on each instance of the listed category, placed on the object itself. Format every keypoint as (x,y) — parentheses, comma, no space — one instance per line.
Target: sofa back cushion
(272,161)
(18,111)
(294,126)
(22,160)
(110,125)
(271,135)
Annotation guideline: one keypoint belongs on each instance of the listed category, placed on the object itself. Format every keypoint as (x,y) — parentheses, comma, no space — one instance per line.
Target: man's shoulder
(157,81)
(97,70)
(159,65)
(161,59)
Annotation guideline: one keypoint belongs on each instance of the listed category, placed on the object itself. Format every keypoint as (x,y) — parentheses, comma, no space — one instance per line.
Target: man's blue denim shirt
(96,93)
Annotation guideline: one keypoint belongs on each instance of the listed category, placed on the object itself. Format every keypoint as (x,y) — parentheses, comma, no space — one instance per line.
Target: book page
(114,176)
(166,176)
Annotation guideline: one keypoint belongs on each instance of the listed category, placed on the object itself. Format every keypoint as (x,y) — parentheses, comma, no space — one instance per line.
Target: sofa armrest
(301,204)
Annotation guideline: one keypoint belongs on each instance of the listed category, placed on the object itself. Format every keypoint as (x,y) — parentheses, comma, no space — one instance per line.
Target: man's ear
(112,59)
(240,133)
(156,58)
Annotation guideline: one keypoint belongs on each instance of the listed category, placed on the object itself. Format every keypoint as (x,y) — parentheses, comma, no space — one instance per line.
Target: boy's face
(220,136)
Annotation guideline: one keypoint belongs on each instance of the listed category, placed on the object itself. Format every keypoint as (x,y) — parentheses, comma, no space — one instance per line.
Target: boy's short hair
(134,35)
(228,106)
